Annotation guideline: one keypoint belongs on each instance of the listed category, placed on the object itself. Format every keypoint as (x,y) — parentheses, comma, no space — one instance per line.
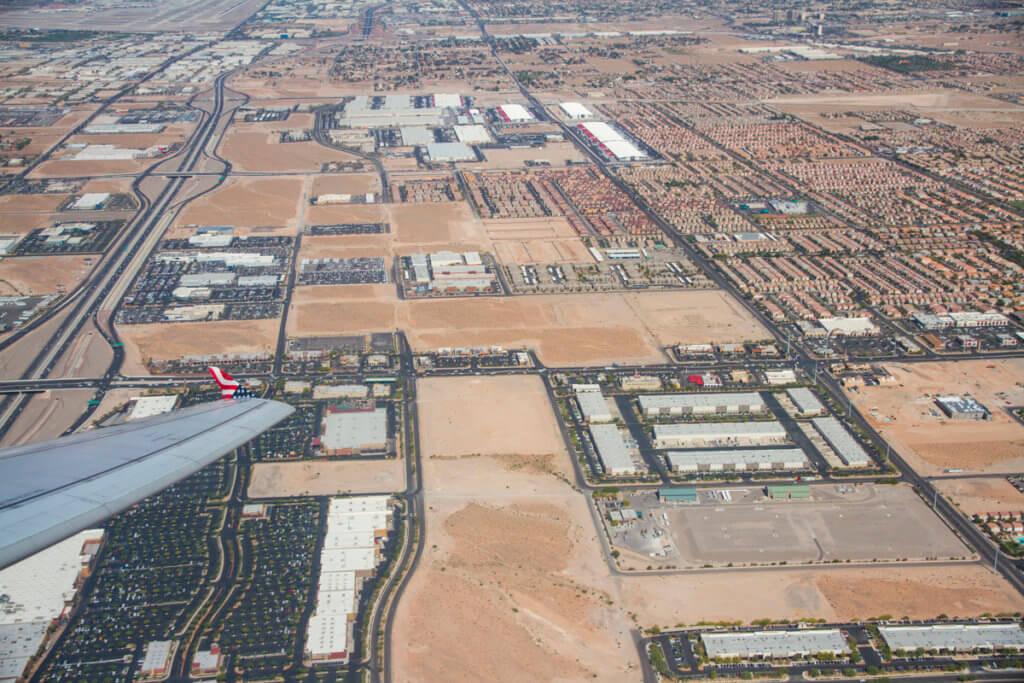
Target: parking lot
(740,525)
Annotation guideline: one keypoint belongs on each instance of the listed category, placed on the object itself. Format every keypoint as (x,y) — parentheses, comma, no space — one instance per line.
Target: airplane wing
(53,489)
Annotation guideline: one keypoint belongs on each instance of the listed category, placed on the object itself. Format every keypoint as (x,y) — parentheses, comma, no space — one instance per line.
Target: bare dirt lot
(346,183)
(978,496)
(565,329)
(441,223)
(252,149)
(42,274)
(163,341)
(906,414)
(509,545)
(249,202)
(834,593)
(326,478)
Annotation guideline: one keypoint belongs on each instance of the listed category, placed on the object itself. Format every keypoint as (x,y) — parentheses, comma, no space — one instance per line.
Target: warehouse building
(356,527)
(772,644)
(416,135)
(514,113)
(738,460)
(612,451)
(696,435)
(611,141)
(805,401)
(350,432)
(842,442)
(788,491)
(473,134)
(575,110)
(674,405)
(151,406)
(962,408)
(954,637)
(90,201)
(450,151)
(677,494)
(593,406)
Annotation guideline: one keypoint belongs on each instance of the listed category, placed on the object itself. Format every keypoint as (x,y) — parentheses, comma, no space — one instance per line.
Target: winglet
(228,386)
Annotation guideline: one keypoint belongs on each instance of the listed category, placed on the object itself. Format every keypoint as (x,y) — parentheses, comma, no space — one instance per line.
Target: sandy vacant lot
(835,593)
(255,149)
(906,414)
(978,496)
(41,274)
(509,545)
(249,202)
(440,223)
(165,341)
(326,478)
(564,329)
(345,183)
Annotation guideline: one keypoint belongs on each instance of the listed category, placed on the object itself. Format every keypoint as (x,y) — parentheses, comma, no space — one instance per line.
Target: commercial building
(745,403)
(805,401)
(962,407)
(450,151)
(788,491)
(695,435)
(795,643)
(944,321)
(207,279)
(778,378)
(640,383)
(7,243)
(593,406)
(329,391)
(350,432)
(157,659)
(738,460)
(850,327)
(954,637)
(575,110)
(612,451)
(842,442)
(677,494)
(150,406)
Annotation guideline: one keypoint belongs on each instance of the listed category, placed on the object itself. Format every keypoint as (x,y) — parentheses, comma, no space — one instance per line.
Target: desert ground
(257,149)
(978,496)
(326,478)
(42,274)
(906,414)
(503,529)
(571,329)
(345,213)
(345,183)
(256,202)
(165,341)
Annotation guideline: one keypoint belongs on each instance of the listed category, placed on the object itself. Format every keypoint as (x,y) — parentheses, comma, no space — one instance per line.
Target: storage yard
(865,523)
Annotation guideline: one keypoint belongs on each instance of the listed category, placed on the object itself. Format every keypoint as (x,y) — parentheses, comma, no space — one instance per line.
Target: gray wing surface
(54,489)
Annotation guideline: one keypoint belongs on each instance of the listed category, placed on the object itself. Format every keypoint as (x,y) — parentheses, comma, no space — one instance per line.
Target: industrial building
(575,110)
(151,406)
(593,406)
(954,637)
(677,494)
(695,435)
(416,135)
(772,644)
(354,431)
(842,442)
(37,591)
(611,141)
(449,272)
(389,111)
(514,113)
(356,527)
(207,280)
(962,407)
(612,451)
(90,201)
(805,401)
(473,134)
(788,491)
(450,151)
(737,460)
(658,405)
